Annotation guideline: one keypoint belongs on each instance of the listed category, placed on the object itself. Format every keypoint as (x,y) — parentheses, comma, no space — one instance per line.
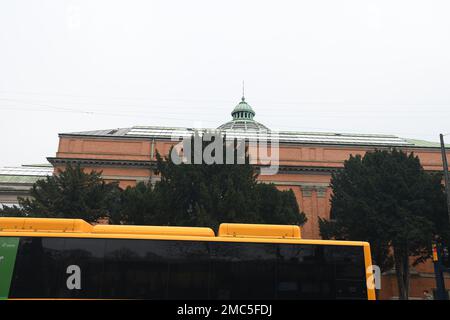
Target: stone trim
(306,187)
(321,192)
(138,179)
(150,164)
(295,183)
(308,169)
(103,162)
(307,190)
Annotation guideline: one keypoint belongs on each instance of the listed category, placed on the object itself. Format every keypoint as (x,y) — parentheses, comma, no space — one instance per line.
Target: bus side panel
(369,274)
(52,267)
(8,252)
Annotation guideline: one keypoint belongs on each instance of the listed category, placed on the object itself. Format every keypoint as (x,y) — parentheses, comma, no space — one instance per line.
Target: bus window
(243,270)
(189,269)
(350,271)
(135,269)
(304,272)
(349,261)
(38,269)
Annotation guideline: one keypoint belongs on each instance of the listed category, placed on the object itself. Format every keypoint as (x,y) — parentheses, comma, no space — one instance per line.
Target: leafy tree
(71,193)
(277,206)
(387,199)
(137,205)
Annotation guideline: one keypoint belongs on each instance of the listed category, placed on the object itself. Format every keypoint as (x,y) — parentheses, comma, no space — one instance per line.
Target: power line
(233,101)
(129,114)
(216,123)
(330,113)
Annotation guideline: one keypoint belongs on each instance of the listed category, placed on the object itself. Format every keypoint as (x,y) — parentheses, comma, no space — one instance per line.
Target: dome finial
(243,91)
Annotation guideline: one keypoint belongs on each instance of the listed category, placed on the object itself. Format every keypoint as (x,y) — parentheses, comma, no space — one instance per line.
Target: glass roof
(27,171)
(281,136)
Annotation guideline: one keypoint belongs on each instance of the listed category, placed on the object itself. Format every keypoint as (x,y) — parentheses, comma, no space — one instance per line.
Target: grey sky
(341,66)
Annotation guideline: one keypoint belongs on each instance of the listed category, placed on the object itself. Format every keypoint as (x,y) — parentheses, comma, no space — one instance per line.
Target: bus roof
(56,227)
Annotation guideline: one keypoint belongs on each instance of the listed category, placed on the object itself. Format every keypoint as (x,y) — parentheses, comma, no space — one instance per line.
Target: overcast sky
(341,66)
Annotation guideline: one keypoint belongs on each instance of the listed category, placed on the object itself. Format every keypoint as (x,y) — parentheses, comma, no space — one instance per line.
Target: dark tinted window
(304,272)
(38,269)
(350,271)
(135,269)
(243,270)
(189,269)
(157,269)
(349,261)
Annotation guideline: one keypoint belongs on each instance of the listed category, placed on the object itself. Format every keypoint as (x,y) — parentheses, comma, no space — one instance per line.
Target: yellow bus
(42,258)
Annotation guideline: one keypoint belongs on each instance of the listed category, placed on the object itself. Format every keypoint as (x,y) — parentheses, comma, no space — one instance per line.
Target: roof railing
(57,225)
(242,230)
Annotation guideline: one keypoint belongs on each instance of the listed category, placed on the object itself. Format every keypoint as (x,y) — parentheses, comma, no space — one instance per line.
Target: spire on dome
(243,117)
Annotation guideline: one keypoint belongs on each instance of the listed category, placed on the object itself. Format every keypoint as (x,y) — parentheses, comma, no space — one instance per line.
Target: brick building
(16,182)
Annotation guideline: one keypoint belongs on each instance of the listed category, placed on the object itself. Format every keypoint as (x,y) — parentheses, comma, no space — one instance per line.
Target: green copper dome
(243,111)
(243,119)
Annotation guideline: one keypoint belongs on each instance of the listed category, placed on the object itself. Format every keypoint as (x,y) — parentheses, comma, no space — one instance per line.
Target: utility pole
(437,245)
(445,166)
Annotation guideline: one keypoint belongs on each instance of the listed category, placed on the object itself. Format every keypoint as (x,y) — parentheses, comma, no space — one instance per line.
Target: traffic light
(435,252)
